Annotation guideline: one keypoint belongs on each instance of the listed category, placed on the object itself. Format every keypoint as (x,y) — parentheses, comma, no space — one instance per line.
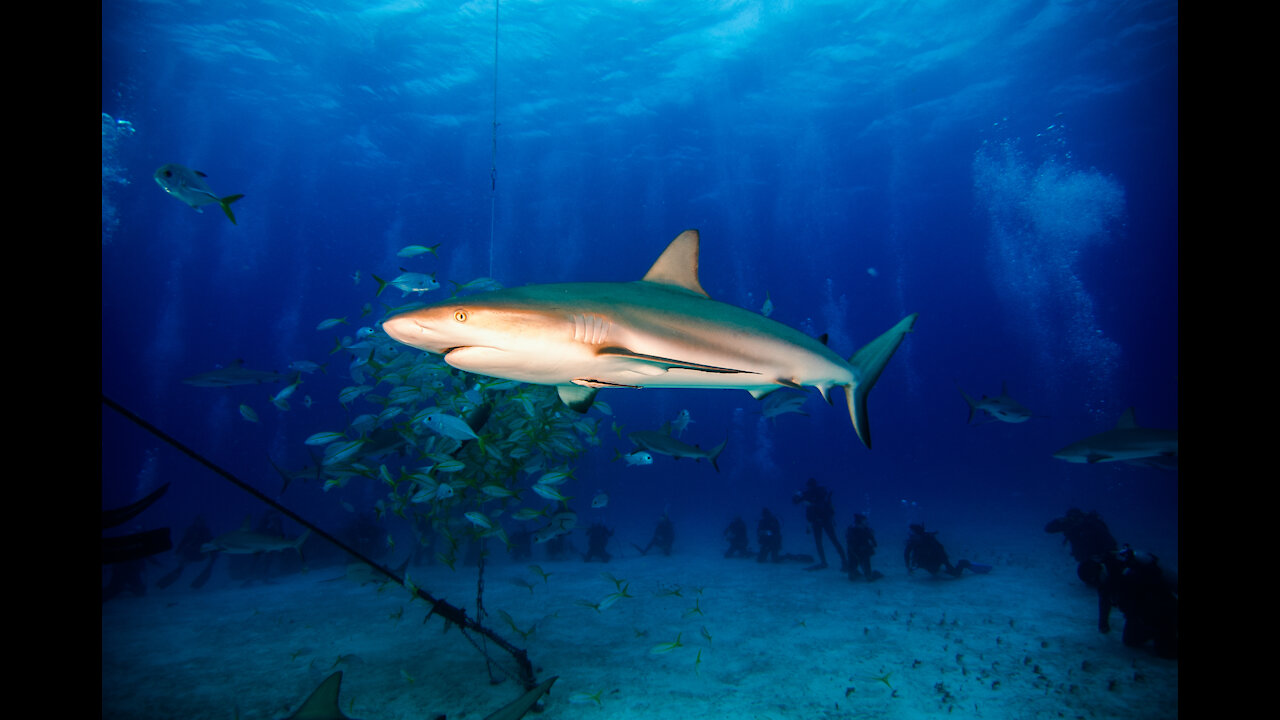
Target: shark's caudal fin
(226,205)
(867,364)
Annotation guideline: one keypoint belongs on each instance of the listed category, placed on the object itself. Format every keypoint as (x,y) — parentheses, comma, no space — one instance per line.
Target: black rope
(450,613)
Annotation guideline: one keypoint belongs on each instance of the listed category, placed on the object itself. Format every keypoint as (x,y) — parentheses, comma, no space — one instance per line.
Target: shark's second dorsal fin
(1126,421)
(678,264)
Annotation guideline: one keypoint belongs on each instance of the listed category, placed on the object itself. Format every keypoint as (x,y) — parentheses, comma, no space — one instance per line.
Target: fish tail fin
(382,284)
(226,205)
(867,364)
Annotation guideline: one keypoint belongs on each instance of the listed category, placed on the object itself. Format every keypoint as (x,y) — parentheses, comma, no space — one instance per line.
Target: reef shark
(322,704)
(247,542)
(660,331)
(663,443)
(1126,442)
(1001,407)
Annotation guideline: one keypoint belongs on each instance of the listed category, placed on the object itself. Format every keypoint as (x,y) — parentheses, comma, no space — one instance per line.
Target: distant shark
(661,331)
(247,542)
(1002,407)
(1126,442)
(322,704)
(663,443)
(235,374)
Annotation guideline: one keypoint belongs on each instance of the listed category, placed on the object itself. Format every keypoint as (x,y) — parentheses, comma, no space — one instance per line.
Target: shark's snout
(405,329)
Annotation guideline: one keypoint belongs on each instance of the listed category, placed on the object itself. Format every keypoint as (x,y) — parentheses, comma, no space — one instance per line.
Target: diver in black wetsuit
(597,538)
(820,513)
(860,540)
(1146,593)
(924,551)
(736,534)
(1089,537)
(769,535)
(663,536)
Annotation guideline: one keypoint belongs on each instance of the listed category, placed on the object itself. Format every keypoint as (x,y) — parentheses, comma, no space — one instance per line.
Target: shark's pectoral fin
(577,397)
(656,365)
(1096,457)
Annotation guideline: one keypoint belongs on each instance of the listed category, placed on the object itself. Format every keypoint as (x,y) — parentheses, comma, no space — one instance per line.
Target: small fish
(450,466)
(444,491)
(482,284)
(680,423)
(281,399)
(538,569)
(189,186)
(330,323)
(340,451)
(550,493)
(408,282)
(873,272)
(667,647)
(479,520)
(498,491)
(415,250)
(555,477)
(766,309)
(600,500)
(639,457)
(547,533)
(528,513)
(305,366)
(248,414)
(324,438)
(355,278)
(582,698)
(449,426)
(780,402)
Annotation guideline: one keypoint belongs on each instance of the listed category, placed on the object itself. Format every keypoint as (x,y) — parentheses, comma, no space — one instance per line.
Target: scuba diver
(769,535)
(820,513)
(1146,593)
(1089,537)
(597,538)
(736,534)
(663,536)
(924,551)
(860,540)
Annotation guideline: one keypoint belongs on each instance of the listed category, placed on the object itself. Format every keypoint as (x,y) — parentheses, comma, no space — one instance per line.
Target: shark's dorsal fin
(678,264)
(323,702)
(1126,421)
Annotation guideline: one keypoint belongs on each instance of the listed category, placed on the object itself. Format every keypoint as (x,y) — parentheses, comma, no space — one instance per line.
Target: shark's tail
(226,205)
(867,364)
(716,453)
(297,544)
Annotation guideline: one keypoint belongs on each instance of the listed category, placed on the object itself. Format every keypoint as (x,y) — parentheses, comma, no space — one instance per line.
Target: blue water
(1009,171)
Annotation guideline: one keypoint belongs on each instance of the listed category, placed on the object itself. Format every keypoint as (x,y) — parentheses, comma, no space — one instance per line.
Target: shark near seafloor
(660,331)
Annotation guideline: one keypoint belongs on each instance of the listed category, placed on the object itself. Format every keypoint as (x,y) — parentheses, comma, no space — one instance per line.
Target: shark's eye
(460,315)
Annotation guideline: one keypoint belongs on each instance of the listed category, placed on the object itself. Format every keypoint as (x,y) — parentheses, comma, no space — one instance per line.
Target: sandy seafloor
(1020,642)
